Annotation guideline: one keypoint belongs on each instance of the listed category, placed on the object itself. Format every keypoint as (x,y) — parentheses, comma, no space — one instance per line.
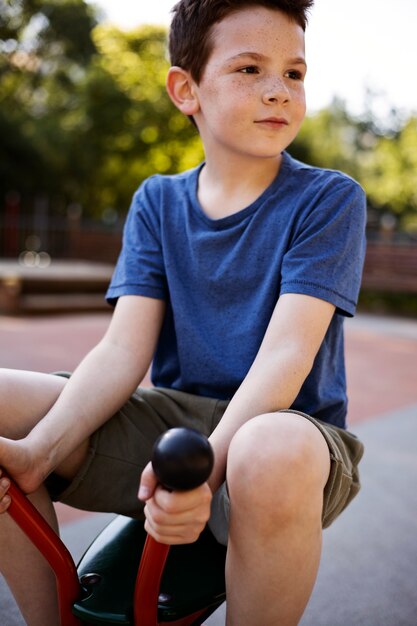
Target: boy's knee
(274,461)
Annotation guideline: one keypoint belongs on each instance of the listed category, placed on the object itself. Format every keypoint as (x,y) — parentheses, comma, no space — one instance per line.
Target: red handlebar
(51,547)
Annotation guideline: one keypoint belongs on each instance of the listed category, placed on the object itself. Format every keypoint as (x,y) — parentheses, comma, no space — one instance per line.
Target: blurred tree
(380,154)
(330,138)
(44,47)
(86,116)
(389,176)
(134,129)
(43,34)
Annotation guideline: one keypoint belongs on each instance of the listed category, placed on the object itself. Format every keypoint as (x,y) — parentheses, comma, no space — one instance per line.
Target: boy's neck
(227,188)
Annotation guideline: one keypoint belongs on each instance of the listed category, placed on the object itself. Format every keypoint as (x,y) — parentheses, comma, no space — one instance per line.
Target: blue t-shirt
(221,278)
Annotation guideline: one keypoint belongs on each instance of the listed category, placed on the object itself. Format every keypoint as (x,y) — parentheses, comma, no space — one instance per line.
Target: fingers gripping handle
(182,459)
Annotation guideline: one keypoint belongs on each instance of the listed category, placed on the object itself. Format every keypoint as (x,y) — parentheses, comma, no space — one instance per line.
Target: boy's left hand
(173,517)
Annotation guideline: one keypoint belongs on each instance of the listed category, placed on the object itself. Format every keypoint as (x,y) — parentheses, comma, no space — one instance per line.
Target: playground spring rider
(126,577)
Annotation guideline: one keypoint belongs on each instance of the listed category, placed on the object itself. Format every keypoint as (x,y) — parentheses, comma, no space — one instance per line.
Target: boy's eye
(295,75)
(249,69)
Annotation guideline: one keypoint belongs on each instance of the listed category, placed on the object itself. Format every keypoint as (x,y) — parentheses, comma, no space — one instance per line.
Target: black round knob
(182,459)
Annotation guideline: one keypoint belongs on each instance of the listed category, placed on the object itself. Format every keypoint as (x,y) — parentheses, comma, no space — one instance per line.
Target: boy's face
(251,97)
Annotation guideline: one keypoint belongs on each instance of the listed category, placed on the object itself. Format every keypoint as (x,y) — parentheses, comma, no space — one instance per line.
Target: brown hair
(190,42)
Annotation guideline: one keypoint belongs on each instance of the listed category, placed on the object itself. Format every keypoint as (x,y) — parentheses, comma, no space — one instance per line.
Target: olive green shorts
(109,479)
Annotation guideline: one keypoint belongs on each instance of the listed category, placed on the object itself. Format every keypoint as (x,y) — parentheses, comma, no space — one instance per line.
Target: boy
(234,279)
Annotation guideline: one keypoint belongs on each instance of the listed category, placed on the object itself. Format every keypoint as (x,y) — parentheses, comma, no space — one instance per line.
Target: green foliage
(382,159)
(139,130)
(44,34)
(84,110)
(42,66)
(329,139)
(390,174)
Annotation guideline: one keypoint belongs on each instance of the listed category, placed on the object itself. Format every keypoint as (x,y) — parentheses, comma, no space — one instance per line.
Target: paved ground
(367,575)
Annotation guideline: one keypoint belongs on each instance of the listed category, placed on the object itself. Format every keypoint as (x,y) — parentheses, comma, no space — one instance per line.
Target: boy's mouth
(273,122)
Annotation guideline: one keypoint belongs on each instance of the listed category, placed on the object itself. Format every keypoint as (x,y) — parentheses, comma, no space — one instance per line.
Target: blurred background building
(84,118)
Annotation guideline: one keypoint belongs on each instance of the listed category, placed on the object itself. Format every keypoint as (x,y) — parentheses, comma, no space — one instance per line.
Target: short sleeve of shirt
(140,267)
(326,253)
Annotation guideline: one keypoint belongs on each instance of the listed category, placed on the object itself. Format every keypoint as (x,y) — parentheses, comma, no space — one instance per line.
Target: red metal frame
(51,547)
(148,582)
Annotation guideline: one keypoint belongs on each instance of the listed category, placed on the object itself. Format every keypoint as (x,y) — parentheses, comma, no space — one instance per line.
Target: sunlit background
(84,118)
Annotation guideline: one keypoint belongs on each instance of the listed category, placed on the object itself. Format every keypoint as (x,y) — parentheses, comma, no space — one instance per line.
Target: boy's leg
(25,397)
(278,465)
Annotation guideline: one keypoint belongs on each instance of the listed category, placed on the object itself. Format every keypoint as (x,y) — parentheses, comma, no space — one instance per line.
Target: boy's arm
(102,382)
(285,358)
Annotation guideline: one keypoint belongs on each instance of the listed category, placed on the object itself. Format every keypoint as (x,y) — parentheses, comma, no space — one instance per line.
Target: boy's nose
(276,91)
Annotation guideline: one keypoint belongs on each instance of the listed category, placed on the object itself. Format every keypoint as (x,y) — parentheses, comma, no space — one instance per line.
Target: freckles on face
(268,33)
(266,30)
(255,52)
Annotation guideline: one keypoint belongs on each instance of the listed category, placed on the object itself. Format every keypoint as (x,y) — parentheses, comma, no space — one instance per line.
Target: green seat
(193,576)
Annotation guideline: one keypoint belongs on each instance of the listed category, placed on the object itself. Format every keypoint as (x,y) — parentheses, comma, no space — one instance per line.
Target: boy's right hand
(174,517)
(17,459)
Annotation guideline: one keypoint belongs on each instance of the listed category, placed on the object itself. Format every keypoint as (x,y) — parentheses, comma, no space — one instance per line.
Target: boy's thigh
(108,480)
(342,485)
(25,397)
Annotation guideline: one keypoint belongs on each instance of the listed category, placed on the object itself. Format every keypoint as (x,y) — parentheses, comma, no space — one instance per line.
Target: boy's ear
(180,88)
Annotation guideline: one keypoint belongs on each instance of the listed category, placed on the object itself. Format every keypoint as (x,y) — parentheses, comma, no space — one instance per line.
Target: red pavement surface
(381,364)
